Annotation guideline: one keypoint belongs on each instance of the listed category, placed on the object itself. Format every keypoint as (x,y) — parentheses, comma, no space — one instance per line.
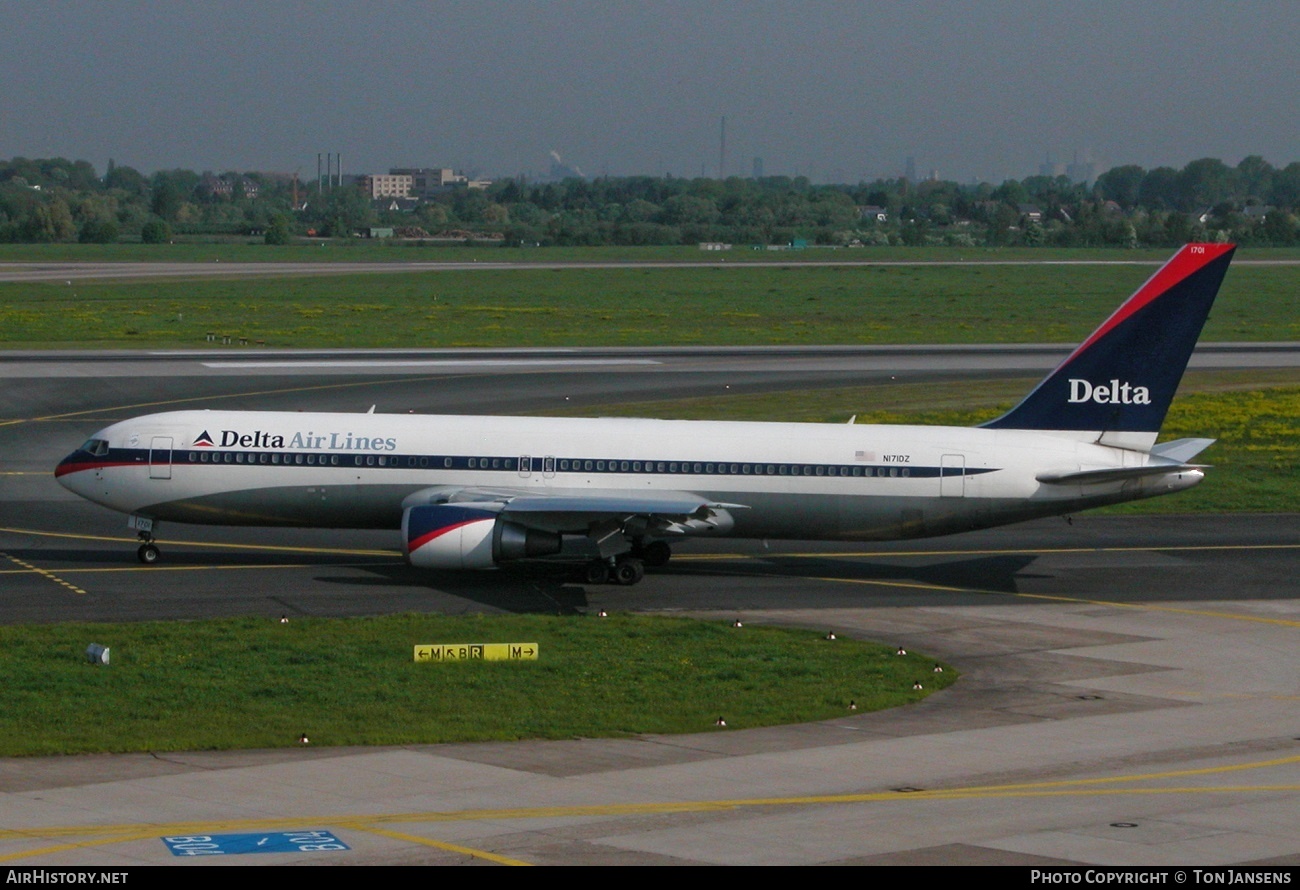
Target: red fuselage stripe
(416,544)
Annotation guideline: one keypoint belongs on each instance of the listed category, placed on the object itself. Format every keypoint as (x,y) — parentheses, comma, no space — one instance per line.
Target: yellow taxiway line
(99,835)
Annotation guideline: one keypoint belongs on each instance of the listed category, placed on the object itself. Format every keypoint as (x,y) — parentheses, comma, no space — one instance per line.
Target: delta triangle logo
(204,441)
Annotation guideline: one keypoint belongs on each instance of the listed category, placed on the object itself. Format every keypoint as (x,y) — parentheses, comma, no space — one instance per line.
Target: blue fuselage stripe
(118,457)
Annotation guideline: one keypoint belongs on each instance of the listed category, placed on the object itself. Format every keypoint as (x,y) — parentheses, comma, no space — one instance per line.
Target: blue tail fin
(1118,384)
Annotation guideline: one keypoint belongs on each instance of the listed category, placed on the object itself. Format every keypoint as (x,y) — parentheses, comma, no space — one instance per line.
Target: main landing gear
(629,568)
(626,571)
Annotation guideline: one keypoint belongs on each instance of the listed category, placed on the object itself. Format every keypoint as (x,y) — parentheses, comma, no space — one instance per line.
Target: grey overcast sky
(837,91)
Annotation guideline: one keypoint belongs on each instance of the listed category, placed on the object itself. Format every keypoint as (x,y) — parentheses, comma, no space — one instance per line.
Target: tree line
(57,200)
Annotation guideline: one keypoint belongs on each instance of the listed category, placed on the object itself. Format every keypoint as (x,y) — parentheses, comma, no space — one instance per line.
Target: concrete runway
(96,271)
(1129,686)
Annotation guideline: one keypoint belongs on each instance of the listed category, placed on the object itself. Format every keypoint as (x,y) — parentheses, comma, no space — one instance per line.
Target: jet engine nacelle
(449,536)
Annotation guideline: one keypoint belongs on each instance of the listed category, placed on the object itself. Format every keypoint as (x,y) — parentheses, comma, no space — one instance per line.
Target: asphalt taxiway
(1129,689)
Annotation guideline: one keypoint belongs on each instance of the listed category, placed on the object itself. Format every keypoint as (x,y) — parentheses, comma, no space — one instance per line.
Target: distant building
(387,185)
(429,181)
(872,213)
(228,186)
(415,183)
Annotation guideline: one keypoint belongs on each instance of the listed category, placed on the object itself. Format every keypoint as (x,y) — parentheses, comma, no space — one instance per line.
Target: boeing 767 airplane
(476,492)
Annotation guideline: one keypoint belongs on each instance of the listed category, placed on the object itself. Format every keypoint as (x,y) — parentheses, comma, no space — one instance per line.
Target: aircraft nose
(66,467)
(73,468)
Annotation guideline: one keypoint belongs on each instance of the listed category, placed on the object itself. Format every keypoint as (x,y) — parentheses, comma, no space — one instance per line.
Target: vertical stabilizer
(1116,387)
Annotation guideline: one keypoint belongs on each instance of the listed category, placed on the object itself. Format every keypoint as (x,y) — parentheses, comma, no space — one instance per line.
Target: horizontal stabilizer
(1115,474)
(1181,450)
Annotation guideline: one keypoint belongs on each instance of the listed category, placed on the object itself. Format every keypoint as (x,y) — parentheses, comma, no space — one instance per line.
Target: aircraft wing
(664,512)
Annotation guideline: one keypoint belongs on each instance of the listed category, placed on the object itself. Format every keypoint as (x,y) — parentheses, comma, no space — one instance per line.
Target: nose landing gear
(148,552)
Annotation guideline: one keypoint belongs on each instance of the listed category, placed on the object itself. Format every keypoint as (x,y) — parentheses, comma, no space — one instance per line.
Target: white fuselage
(780,480)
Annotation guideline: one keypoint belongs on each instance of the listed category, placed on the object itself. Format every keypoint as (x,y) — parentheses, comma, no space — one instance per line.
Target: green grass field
(256,683)
(734,305)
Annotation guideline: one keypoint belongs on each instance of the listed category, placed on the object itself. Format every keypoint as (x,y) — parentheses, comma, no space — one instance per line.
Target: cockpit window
(97,447)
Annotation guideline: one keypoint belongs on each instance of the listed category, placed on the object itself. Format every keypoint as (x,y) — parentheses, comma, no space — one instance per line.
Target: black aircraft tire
(629,572)
(148,554)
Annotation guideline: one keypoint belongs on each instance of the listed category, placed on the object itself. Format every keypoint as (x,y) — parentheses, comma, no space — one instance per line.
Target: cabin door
(160,457)
(952,476)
